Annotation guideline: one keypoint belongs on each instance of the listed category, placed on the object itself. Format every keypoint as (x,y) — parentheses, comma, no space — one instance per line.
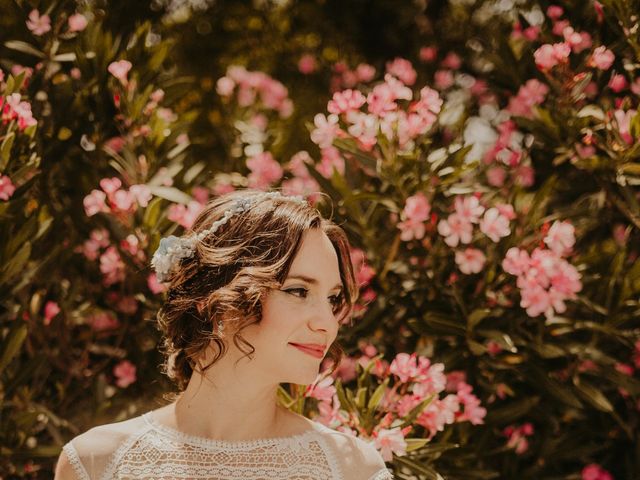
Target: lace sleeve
(382,474)
(74,461)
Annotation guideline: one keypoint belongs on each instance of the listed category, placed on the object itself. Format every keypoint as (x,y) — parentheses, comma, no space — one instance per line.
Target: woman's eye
(303,290)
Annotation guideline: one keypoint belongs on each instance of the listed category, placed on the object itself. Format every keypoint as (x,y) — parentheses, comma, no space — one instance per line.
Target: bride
(256,293)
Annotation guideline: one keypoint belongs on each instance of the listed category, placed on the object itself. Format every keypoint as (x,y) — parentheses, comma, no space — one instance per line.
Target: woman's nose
(323,317)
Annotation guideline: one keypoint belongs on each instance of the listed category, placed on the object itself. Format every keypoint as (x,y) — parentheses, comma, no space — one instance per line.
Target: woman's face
(300,320)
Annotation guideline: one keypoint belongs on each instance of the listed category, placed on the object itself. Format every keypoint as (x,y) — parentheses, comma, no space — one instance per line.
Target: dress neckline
(227,444)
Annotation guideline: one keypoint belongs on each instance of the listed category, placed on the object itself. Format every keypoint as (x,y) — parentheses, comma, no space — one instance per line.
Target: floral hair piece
(173,249)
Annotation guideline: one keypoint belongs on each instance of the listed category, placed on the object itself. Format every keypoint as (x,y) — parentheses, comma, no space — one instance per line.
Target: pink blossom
(624,368)
(494,225)
(390,441)
(51,309)
(122,200)
(16,108)
(524,175)
(95,203)
(125,373)
(506,210)
(594,471)
(155,286)
(430,379)
(225,86)
(322,389)
(141,193)
(403,70)
(120,70)
(530,94)
(110,185)
(451,61)
(428,54)
(346,101)
(455,229)
(468,208)
(382,99)
(560,238)
(623,119)
(127,304)
(102,321)
(111,266)
(265,170)
(347,369)
(535,300)
(326,130)
(364,128)
(554,12)
(7,188)
(493,348)
(77,22)
(517,437)
(307,64)
(184,215)
(618,83)
(364,273)
(99,238)
(454,378)
(469,261)
(496,176)
(548,56)
(330,160)
(516,261)
(438,414)
(415,212)
(472,410)
(443,79)
(601,58)
(365,72)
(37,24)
(404,366)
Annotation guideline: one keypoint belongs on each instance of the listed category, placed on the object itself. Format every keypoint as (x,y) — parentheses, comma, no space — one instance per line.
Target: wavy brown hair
(232,270)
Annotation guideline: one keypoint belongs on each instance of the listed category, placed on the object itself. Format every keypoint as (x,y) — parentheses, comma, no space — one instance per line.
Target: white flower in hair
(173,249)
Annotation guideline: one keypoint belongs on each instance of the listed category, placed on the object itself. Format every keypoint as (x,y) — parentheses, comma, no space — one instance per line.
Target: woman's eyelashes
(336,300)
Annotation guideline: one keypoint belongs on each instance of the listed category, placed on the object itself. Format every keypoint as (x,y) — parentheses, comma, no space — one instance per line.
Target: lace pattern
(75,462)
(383,474)
(163,453)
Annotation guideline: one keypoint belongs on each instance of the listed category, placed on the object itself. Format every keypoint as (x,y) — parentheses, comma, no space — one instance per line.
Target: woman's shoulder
(90,453)
(359,458)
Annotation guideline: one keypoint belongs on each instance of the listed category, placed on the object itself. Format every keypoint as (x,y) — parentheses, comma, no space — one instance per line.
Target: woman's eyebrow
(310,280)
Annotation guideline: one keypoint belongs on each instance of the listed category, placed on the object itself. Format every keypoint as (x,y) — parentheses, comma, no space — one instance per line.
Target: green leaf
(152,213)
(170,193)
(592,395)
(24,47)
(16,263)
(417,467)
(12,343)
(377,395)
(415,443)
(5,150)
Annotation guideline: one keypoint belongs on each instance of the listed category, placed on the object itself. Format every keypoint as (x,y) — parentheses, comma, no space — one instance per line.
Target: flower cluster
(544,278)
(114,199)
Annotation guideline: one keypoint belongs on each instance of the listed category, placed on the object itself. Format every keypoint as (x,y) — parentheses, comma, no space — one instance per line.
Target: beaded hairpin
(173,249)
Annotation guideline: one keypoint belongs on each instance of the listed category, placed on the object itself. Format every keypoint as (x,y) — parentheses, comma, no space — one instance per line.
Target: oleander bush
(482,156)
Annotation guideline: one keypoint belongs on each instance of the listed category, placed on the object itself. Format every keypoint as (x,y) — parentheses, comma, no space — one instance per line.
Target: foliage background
(57,372)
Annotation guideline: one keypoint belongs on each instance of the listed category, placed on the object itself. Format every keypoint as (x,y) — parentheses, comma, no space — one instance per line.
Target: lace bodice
(143,448)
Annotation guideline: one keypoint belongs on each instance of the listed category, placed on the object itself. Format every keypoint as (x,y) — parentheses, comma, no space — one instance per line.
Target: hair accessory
(173,249)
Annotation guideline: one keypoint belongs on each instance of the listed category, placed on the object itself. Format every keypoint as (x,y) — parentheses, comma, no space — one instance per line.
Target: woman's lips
(316,351)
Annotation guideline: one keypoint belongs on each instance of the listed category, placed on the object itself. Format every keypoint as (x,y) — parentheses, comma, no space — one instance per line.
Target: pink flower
(428,54)
(471,260)
(322,389)
(624,368)
(51,309)
(496,176)
(455,229)
(554,12)
(415,212)
(517,437)
(346,101)
(390,441)
(77,22)
(225,86)
(95,203)
(404,366)
(535,300)
(329,161)
(454,379)
(6,187)
(601,58)
(403,70)
(468,208)
(594,471)
(618,83)
(451,61)
(472,410)
(125,373)
(16,108)
(623,119)
(443,79)
(438,414)
(155,286)
(307,64)
(39,25)
(122,200)
(494,225)
(265,170)
(560,238)
(326,130)
(493,348)
(530,94)
(141,193)
(516,261)
(103,321)
(184,215)
(111,266)
(365,72)
(548,56)
(120,69)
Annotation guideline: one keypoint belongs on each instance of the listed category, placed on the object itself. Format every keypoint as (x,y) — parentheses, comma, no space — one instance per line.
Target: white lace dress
(143,448)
